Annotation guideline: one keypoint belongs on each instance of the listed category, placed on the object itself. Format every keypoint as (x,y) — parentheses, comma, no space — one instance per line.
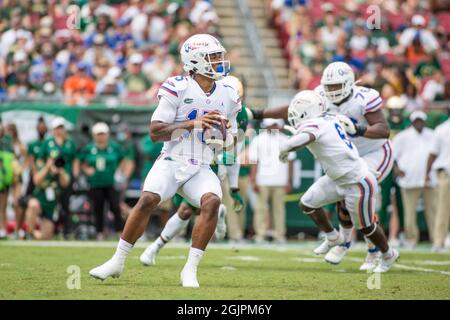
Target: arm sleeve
(296,141)
(436,144)
(166,110)
(310,127)
(235,108)
(374,101)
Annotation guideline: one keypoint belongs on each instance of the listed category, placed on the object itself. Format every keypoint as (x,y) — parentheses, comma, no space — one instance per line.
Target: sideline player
(347,176)
(188,105)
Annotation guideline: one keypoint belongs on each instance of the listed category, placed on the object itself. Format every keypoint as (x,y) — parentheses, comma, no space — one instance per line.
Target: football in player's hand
(217,134)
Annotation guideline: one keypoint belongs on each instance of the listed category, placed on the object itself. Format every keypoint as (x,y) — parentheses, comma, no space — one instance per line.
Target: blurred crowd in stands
(80,50)
(397,47)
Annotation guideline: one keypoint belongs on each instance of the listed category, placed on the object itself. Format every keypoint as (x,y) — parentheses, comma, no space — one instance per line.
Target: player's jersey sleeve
(372,100)
(311,126)
(234,107)
(436,143)
(169,96)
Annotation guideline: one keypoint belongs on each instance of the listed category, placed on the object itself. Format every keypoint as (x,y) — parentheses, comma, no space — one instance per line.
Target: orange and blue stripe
(172,92)
(387,159)
(365,205)
(374,104)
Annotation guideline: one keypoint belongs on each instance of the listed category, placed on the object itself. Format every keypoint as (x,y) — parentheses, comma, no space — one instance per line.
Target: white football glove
(347,123)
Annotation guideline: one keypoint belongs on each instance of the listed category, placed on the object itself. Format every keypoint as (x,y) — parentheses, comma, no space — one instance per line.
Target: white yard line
(298,246)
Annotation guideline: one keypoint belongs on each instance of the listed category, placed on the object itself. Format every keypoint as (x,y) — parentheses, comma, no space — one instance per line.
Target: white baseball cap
(418,115)
(100,127)
(418,20)
(113,72)
(136,58)
(58,122)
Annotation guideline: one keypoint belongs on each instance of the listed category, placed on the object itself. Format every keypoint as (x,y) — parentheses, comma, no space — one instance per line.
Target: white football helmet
(305,105)
(340,75)
(195,55)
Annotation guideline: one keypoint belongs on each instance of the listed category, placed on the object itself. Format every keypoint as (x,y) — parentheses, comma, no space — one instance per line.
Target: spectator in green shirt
(137,84)
(60,147)
(100,160)
(33,151)
(51,178)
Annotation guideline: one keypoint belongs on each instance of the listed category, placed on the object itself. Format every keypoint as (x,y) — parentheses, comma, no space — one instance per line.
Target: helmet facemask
(211,68)
(337,92)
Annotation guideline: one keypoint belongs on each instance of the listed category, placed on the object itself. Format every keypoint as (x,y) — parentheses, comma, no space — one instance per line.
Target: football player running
(347,176)
(188,105)
(180,219)
(359,111)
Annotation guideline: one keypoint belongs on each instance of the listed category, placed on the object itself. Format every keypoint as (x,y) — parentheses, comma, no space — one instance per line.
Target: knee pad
(306,209)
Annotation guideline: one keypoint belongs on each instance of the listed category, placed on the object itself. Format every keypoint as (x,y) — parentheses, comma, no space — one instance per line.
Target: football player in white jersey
(347,176)
(185,210)
(188,105)
(364,121)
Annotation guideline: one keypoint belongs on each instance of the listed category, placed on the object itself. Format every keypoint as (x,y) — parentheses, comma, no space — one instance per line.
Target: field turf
(32,270)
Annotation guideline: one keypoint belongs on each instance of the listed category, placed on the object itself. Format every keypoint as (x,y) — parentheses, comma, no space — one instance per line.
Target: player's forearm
(160,131)
(377,131)
(275,113)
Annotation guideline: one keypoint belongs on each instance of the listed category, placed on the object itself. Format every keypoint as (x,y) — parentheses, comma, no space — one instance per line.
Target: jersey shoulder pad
(370,98)
(231,92)
(310,125)
(174,85)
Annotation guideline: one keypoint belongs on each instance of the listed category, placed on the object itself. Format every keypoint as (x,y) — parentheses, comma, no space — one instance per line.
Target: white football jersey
(362,101)
(182,99)
(337,155)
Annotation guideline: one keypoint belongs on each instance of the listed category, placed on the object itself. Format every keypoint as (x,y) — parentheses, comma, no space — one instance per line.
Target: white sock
(123,249)
(195,255)
(346,233)
(158,244)
(173,226)
(333,235)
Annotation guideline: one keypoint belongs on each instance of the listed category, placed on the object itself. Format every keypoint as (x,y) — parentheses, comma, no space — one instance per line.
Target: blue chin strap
(223,70)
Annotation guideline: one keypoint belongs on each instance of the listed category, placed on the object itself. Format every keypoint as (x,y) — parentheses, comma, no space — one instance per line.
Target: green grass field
(30,270)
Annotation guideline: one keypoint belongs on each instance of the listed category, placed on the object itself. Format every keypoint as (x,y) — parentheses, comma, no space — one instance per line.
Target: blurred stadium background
(100,60)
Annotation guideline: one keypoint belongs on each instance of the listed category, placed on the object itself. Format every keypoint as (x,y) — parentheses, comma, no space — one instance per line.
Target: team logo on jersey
(188,100)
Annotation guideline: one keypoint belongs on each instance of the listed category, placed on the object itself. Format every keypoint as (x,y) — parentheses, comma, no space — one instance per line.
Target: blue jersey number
(192,115)
(343,136)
